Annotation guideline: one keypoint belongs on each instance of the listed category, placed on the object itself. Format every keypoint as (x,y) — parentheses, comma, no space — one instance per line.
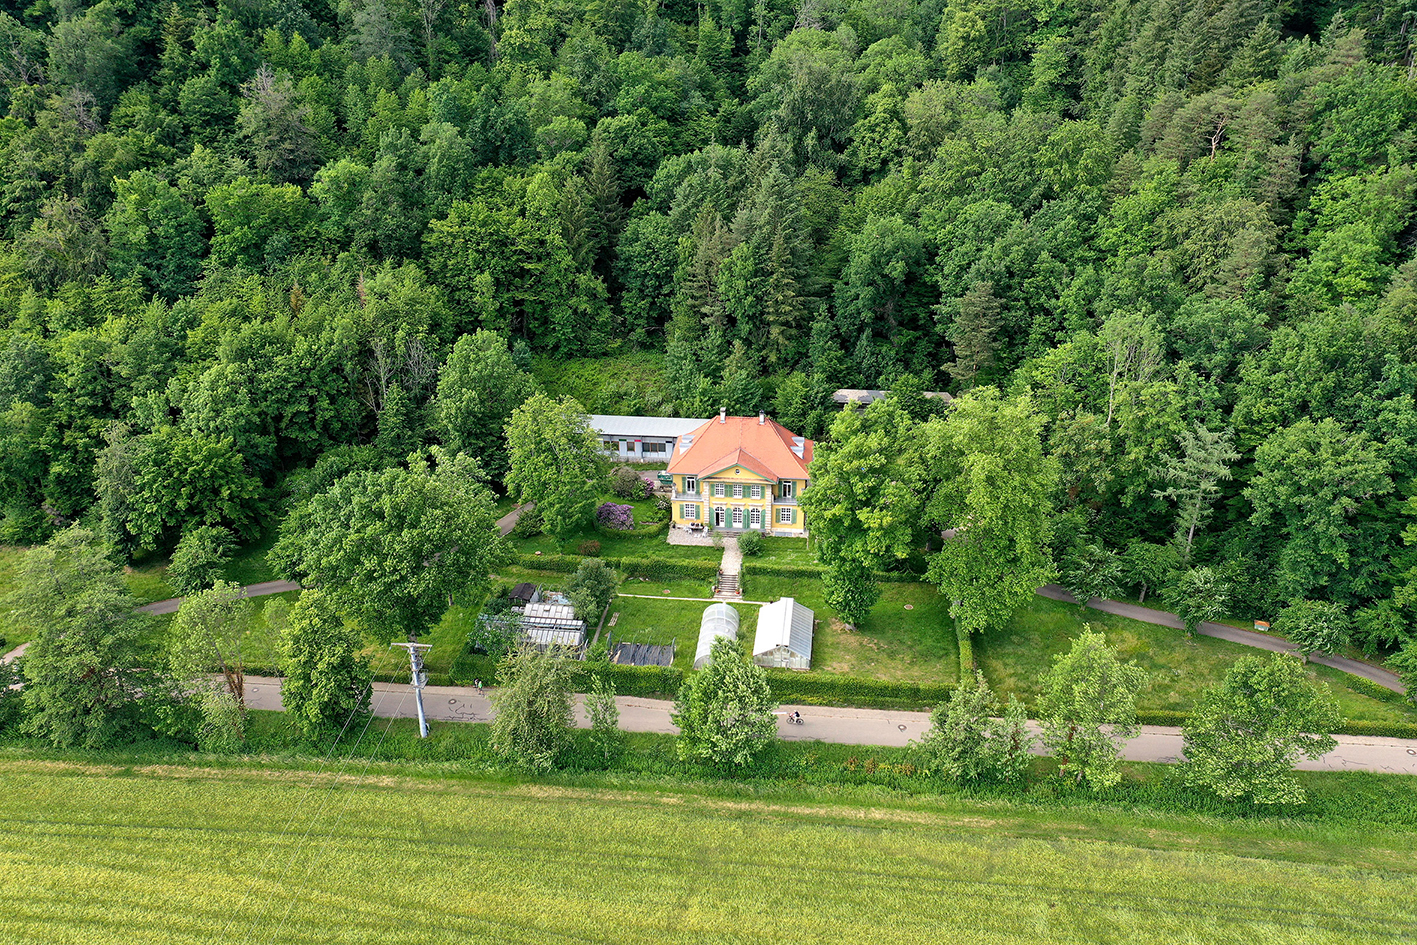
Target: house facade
(741,474)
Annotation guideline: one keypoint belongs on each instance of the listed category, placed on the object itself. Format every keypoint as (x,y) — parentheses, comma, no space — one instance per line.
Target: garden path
(1263,641)
(507,522)
(1156,743)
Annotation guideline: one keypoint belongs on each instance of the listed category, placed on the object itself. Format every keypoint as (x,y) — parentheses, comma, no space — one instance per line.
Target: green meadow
(98,853)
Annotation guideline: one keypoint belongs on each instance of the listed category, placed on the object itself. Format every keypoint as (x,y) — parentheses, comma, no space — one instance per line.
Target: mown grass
(168,854)
(1015,659)
(663,622)
(892,643)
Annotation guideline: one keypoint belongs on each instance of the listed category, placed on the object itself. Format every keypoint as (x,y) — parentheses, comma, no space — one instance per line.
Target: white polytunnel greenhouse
(720,620)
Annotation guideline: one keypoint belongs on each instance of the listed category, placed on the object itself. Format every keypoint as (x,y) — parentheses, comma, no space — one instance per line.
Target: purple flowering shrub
(621,518)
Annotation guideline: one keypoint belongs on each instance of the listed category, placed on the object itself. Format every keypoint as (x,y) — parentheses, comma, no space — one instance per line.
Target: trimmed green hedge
(814,572)
(965,641)
(1380,729)
(643,681)
(1373,691)
(656,569)
(821,689)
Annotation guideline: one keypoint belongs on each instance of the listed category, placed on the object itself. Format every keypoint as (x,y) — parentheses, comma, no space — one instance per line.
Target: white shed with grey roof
(719,620)
(641,439)
(784,636)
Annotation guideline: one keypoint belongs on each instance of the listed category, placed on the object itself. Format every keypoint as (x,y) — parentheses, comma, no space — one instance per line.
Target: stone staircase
(727,587)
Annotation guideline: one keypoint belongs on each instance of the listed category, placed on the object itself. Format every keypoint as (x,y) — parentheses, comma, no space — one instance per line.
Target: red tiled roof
(765,448)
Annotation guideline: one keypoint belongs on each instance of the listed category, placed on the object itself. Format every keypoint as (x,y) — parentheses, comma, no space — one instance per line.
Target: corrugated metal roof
(719,620)
(784,623)
(632,427)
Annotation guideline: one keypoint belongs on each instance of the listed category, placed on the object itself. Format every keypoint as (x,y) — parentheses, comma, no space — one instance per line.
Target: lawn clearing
(169,855)
(916,645)
(1015,658)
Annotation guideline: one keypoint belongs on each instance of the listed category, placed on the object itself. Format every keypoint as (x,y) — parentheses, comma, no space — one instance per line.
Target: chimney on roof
(762,417)
(722,414)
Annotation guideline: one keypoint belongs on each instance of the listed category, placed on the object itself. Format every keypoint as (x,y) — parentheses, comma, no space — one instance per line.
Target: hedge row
(1373,691)
(656,569)
(814,572)
(820,689)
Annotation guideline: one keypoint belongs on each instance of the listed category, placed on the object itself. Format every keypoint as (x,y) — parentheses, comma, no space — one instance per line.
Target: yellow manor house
(740,474)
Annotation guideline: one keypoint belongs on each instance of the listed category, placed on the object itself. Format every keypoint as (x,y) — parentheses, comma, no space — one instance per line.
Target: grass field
(93,853)
(1015,659)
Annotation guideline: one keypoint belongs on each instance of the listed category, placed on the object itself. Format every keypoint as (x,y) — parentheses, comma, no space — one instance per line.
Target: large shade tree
(393,547)
(991,486)
(864,503)
(556,462)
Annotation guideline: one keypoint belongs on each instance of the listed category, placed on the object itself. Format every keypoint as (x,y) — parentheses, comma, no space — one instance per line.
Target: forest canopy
(239,241)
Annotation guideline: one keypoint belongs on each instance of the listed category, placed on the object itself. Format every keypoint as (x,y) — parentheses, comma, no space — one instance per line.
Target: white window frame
(755,517)
(738,490)
(756,491)
(691,485)
(784,517)
(719,492)
(691,511)
(737,516)
(788,487)
(716,511)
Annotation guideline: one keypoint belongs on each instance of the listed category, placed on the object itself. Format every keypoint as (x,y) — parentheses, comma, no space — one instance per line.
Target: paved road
(172,604)
(507,522)
(840,726)
(1263,641)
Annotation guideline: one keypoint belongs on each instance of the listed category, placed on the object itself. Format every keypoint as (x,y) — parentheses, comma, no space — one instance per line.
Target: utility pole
(420,679)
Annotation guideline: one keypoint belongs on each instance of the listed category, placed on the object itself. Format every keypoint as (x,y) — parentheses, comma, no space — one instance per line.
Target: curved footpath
(841,726)
(1263,641)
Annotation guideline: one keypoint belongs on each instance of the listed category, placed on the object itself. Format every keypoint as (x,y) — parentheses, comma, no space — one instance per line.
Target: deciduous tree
(1248,730)
(533,719)
(327,682)
(725,710)
(969,741)
(556,462)
(80,669)
(991,488)
(392,547)
(1086,689)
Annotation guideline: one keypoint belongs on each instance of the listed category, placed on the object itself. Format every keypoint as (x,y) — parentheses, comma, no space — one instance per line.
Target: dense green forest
(240,238)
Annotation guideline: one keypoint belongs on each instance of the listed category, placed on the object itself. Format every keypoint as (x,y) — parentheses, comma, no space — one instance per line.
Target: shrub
(969,741)
(1315,626)
(588,548)
(626,483)
(751,544)
(591,589)
(620,518)
(200,558)
(529,524)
